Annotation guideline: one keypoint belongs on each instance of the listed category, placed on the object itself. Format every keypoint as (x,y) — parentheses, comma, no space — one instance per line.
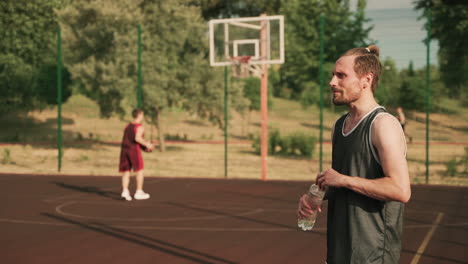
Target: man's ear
(367,79)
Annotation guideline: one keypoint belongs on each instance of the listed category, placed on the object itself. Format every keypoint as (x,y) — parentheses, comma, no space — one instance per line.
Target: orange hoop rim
(241,59)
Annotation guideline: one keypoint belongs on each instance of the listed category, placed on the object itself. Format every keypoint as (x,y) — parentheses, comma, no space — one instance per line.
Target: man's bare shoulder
(140,128)
(386,121)
(386,130)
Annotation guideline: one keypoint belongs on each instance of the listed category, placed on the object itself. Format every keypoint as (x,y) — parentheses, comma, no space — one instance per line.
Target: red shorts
(130,158)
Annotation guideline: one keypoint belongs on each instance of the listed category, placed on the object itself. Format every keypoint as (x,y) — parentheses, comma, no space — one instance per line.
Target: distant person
(131,158)
(401,117)
(368,183)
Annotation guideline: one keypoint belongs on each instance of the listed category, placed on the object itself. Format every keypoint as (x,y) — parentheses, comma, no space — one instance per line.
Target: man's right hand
(305,209)
(150,146)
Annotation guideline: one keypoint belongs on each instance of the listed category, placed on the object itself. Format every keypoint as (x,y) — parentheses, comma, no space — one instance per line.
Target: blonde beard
(353,97)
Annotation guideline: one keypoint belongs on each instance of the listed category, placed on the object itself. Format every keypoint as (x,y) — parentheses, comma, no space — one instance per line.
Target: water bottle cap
(315,190)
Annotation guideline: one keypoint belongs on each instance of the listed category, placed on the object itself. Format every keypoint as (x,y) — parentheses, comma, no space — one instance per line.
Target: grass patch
(6,156)
(88,152)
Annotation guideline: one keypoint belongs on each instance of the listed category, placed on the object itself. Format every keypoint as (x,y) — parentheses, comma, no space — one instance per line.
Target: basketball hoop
(242,68)
(248,45)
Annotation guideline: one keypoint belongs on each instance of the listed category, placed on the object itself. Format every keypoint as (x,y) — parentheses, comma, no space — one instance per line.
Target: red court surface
(68,219)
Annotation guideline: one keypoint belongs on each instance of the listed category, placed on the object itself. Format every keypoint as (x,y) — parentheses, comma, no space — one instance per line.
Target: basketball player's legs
(125,180)
(140,194)
(138,167)
(125,167)
(140,180)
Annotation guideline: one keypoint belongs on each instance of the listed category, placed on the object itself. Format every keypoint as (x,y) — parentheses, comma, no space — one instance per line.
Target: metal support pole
(59,99)
(140,77)
(226,120)
(322,24)
(428,87)
(264,102)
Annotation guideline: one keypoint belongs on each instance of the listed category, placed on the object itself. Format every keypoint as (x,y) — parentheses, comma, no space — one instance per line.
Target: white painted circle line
(60,209)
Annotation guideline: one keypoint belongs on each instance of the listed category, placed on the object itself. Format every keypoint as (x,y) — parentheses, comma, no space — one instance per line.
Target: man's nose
(332,82)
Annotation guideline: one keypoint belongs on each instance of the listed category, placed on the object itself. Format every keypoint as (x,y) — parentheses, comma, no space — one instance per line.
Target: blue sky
(386,4)
(398,32)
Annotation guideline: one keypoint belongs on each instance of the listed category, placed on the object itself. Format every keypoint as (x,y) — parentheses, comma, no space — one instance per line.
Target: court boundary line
(426,239)
(195,229)
(113,188)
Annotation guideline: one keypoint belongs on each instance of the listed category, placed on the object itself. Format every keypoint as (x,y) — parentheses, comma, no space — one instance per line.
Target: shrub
(303,143)
(465,160)
(451,167)
(6,159)
(297,144)
(274,140)
(176,137)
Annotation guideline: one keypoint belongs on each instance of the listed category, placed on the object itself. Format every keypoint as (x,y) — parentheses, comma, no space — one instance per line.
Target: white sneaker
(141,195)
(126,195)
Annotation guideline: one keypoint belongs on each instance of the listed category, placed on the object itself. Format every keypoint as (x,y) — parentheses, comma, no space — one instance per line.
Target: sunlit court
(57,219)
(212,131)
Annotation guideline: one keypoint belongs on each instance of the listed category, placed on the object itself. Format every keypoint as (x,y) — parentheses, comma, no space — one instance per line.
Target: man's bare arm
(139,137)
(389,142)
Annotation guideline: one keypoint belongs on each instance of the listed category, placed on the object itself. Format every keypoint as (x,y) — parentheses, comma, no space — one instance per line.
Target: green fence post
(428,87)
(322,25)
(140,77)
(226,120)
(59,98)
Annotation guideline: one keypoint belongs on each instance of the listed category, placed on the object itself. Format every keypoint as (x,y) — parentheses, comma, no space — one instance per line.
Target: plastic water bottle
(314,199)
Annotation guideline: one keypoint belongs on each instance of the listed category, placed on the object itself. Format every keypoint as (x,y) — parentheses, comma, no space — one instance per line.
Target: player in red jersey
(131,158)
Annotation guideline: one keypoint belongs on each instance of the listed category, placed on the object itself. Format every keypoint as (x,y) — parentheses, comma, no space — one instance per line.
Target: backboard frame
(244,22)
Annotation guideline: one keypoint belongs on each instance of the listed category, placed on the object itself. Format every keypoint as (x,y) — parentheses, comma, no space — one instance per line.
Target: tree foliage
(299,75)
(343,30)
(27,53)
(251,91)
(449,26)
(388,90)
(100,43)
(102,38)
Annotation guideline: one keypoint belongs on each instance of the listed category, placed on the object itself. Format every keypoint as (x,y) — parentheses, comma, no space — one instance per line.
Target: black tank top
(361,229)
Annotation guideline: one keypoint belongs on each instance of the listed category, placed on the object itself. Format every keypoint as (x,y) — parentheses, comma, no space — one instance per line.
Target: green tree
(102,36)
(251,88)
(387,92)
(182,76)
(450,27)
(27,53)
(343,30)
(100,50)
(16,79)
(232,8)
(412,92)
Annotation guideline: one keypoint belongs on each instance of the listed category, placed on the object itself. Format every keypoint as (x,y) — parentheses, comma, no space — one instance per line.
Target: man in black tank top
(368,183)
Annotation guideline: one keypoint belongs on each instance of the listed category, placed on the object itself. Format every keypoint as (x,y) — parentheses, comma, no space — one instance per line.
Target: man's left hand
(331,178)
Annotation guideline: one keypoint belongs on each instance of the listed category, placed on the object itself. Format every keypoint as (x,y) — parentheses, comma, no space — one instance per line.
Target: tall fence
(89,144)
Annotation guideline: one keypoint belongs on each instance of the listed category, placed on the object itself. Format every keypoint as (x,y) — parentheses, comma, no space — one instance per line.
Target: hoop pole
(59,99)
(226,120)
(264,103)
(428,87)
(140,76)
(322,24)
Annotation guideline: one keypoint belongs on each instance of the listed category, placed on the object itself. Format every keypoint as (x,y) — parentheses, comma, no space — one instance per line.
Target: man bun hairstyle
(367,61)
(136,112)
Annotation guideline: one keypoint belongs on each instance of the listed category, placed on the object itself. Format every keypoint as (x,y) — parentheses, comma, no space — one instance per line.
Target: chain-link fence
(185,107)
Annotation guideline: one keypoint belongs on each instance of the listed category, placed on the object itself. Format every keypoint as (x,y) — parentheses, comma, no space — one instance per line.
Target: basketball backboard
(259,38)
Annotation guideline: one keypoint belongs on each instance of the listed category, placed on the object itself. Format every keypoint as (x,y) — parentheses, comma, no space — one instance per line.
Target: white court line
(189,228)
(170,228)
(53,199)
(426,240)
(59,210)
